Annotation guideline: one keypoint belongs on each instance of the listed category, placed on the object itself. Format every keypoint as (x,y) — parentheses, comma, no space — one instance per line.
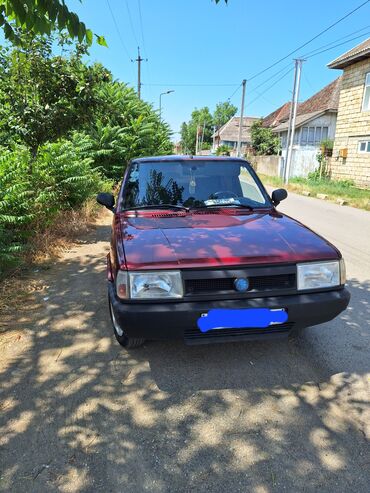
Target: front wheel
(122,338)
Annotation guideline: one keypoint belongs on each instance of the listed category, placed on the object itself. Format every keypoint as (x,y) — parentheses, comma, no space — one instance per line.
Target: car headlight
(151,285)
(316,275)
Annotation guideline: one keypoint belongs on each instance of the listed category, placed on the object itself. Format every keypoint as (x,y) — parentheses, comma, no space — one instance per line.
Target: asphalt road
(343,344)
(80,414)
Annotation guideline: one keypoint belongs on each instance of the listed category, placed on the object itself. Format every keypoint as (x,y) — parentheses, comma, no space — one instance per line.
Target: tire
(126,342)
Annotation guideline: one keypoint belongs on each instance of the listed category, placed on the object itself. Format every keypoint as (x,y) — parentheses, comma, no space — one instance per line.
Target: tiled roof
(300,120)
(356,54)
(277,116)
(230,131)
(324,100)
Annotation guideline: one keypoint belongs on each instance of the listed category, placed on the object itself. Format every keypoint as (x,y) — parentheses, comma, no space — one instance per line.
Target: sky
(203,51)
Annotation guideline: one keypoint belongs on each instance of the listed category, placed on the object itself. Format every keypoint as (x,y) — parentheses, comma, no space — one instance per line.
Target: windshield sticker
(227,201)
(258,318)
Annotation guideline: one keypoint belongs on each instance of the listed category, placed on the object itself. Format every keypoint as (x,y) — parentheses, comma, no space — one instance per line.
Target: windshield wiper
(205,206)
(160,206)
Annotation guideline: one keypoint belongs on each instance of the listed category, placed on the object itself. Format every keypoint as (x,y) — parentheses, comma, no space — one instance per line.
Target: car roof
(187,158)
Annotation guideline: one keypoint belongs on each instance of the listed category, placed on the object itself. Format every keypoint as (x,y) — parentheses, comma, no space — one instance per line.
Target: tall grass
(334,189)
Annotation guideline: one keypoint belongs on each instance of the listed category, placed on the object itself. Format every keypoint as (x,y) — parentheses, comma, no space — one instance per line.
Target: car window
(192,184)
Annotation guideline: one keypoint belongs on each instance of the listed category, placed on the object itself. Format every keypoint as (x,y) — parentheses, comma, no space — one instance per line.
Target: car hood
(216,239)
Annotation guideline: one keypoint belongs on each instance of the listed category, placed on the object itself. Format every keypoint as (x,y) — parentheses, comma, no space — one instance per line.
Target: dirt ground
(80,414)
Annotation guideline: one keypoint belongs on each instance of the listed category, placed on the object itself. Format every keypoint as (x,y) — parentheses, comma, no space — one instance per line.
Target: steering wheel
(223,195)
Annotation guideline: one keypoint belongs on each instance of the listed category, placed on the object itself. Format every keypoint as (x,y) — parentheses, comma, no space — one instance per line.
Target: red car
(199,252)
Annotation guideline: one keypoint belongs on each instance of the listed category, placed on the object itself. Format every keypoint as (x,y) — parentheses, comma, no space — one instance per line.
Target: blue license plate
(246,318)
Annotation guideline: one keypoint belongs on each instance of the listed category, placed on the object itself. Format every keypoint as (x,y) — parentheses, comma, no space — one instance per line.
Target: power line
(271,86)
(339,39)
(117,29)
(236,90)
(141,25)
(192,85)
(271,77)
(339,44)
(131,23)
(307,42)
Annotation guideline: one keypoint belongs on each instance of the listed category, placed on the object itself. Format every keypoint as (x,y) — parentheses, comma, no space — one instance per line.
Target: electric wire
(335,46)
(309,41)
(339,39)
(236,90)
(271,86)
(192,85)
(118,30)
(141,25)
(131,23)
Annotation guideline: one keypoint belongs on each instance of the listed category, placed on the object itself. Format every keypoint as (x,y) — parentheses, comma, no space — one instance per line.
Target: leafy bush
(66,132)
(61,179)
(223,149)
(264,141)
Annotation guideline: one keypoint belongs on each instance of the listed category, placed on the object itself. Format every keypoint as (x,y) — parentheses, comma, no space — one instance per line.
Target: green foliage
(223,113)
(223,150)
(66,130)
(264,141)
(202,122)
(43,97)
(42,17)
(62,178)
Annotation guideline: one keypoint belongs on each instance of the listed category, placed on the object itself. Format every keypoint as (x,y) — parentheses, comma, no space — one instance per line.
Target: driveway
(80,414)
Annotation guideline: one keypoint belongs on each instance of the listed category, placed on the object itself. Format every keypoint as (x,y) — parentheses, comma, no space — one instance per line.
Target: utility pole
(202,138)
(238,151)
(139,60)
(292,118)
(197,140)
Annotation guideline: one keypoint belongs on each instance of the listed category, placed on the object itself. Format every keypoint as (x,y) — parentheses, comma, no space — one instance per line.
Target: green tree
(223,112)
(42,96)
(42,17)
(264,141)
(201,121)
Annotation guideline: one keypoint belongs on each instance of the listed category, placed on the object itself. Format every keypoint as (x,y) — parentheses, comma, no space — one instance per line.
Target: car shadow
(81,414)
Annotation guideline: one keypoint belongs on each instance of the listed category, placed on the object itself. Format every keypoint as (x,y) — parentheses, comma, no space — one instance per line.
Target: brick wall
(353,125)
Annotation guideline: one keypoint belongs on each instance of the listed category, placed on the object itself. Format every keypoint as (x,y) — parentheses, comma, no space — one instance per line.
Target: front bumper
(178,320)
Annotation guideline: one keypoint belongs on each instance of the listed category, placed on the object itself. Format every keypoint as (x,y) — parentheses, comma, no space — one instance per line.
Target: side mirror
(106,199)
(279,195)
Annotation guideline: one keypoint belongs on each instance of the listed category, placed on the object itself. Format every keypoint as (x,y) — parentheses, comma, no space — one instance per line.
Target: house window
(364,146)
(366,101)
(312,136)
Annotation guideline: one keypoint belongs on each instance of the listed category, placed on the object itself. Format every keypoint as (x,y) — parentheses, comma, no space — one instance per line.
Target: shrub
(61,179)
(223,149)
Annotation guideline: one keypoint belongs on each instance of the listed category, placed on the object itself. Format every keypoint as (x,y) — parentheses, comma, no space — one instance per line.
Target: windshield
(192,184)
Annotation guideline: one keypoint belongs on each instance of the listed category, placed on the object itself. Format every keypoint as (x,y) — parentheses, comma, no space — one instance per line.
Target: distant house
(315,122)
(228,134)
(351,154)
(316,118)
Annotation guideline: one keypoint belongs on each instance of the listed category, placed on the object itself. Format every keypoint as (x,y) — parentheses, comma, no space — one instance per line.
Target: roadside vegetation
(67,131)
(203,123)
(334,189)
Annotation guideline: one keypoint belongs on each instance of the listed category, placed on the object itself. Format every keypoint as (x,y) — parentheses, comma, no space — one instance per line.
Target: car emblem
(241,284)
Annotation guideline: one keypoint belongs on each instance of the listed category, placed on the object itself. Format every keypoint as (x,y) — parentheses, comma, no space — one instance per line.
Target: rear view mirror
(279,195)
(106,199)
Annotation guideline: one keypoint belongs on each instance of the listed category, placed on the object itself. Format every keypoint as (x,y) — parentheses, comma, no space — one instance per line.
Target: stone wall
(353,125)
(267,165)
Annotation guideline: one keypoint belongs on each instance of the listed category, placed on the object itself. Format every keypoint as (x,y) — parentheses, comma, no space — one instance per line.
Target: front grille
(256,284)
(193,286)
(194,335)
